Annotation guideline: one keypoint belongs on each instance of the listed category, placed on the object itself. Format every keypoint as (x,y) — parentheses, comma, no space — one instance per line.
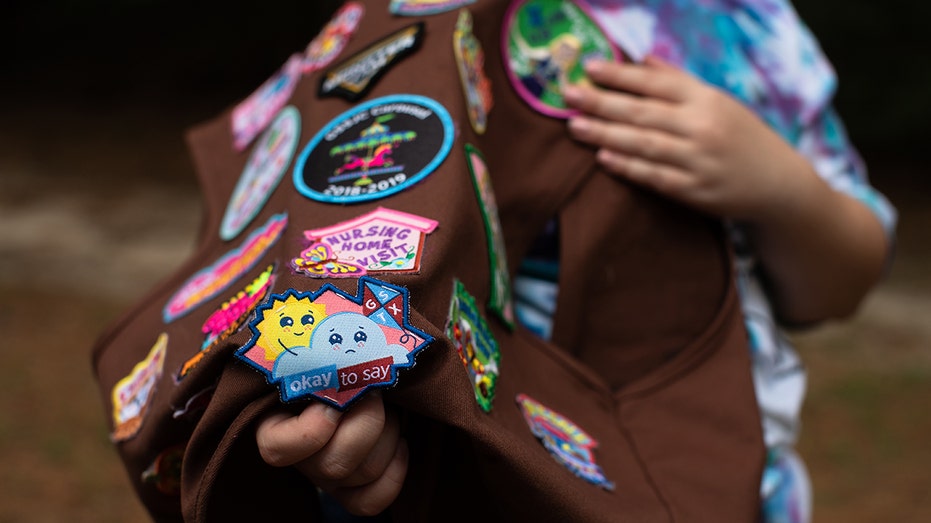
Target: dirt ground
(93,216)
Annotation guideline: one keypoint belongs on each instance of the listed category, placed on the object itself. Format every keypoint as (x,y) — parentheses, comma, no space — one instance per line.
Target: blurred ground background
(98,202)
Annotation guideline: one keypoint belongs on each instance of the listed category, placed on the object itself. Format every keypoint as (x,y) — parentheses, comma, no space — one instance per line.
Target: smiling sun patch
(331,345)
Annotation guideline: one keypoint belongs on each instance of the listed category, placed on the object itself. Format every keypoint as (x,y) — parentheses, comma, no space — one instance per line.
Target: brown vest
(648,355)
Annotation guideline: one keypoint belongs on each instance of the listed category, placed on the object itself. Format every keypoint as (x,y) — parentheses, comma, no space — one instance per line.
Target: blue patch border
(358,300)
(440,156)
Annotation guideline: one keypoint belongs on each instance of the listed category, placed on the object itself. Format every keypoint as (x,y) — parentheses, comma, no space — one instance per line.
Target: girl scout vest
(365,211)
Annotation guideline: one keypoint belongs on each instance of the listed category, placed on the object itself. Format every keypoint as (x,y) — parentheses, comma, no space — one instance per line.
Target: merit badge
(263,171)
(375,149)
(569,444)
(499,301)
(212,280)
(353,78)
(382,240)
(230,317)
(545,44)
(131,394)
(471,61)
(477,349)
(255,112)
(165,471)
(425,7)
(333,38)
(331,345)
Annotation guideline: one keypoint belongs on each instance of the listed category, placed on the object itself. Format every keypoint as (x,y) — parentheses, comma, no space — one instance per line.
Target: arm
(358,457)
(666,130)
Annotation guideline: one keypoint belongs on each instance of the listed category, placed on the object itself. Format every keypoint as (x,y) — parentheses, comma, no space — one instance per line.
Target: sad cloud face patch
(331,345)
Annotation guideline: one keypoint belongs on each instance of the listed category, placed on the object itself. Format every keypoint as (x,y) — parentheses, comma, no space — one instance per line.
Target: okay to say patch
(375,149)
(477,348)
(569,444)
(379,241)
(130,396)
(333,346)
(545,44)
(212,280)
(263,171)
(255,112)
(354,77)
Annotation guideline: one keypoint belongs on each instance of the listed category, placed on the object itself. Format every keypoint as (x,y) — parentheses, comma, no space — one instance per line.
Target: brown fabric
(649,354)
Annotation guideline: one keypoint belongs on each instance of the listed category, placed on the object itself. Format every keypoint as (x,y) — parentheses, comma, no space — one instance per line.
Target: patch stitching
(353,78)
(348,249)
(322,367)
(213,279)
(130,397)
(414,108)
(477,347)
(500,296)
(566,442)
(582,40)
(263,172)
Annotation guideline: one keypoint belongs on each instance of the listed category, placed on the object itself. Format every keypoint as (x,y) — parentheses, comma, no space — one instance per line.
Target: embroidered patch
(333,38)
(569,444)
(425,7)
(212,280)
(263,171)
(545,44)
(477,348)
(471,61)
(194,406)
(253,114)
(130,395)
(375,149)
(382,240)
(230,317)
(165,471)
(499,300)
(354,77)
(331,345)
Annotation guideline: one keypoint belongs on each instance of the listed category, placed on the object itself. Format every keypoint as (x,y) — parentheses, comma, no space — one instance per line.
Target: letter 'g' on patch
(333,346)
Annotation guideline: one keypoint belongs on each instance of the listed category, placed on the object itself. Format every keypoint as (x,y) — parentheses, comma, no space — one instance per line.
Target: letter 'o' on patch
(565,441)
(331,345)
(545,44)
(264,169)
(382,240)
(215,278)
(375,149)
(131,395)
(425,7)
(352,78)
(476,346)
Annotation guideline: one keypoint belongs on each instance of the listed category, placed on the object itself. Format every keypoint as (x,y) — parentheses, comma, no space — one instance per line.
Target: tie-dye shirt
(761,53)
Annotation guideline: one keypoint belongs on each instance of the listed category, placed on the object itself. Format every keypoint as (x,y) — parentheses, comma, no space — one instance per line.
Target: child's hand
(665,129)
(358,457)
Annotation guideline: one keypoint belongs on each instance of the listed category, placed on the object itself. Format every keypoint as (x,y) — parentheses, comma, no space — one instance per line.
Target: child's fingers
(284,439)
(664,179)
(371,467)
(649,80)
(634,141)
(621,107)
(373,498)
(357,434)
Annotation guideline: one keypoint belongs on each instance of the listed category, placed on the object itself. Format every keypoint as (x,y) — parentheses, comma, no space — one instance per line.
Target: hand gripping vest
(648,355)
